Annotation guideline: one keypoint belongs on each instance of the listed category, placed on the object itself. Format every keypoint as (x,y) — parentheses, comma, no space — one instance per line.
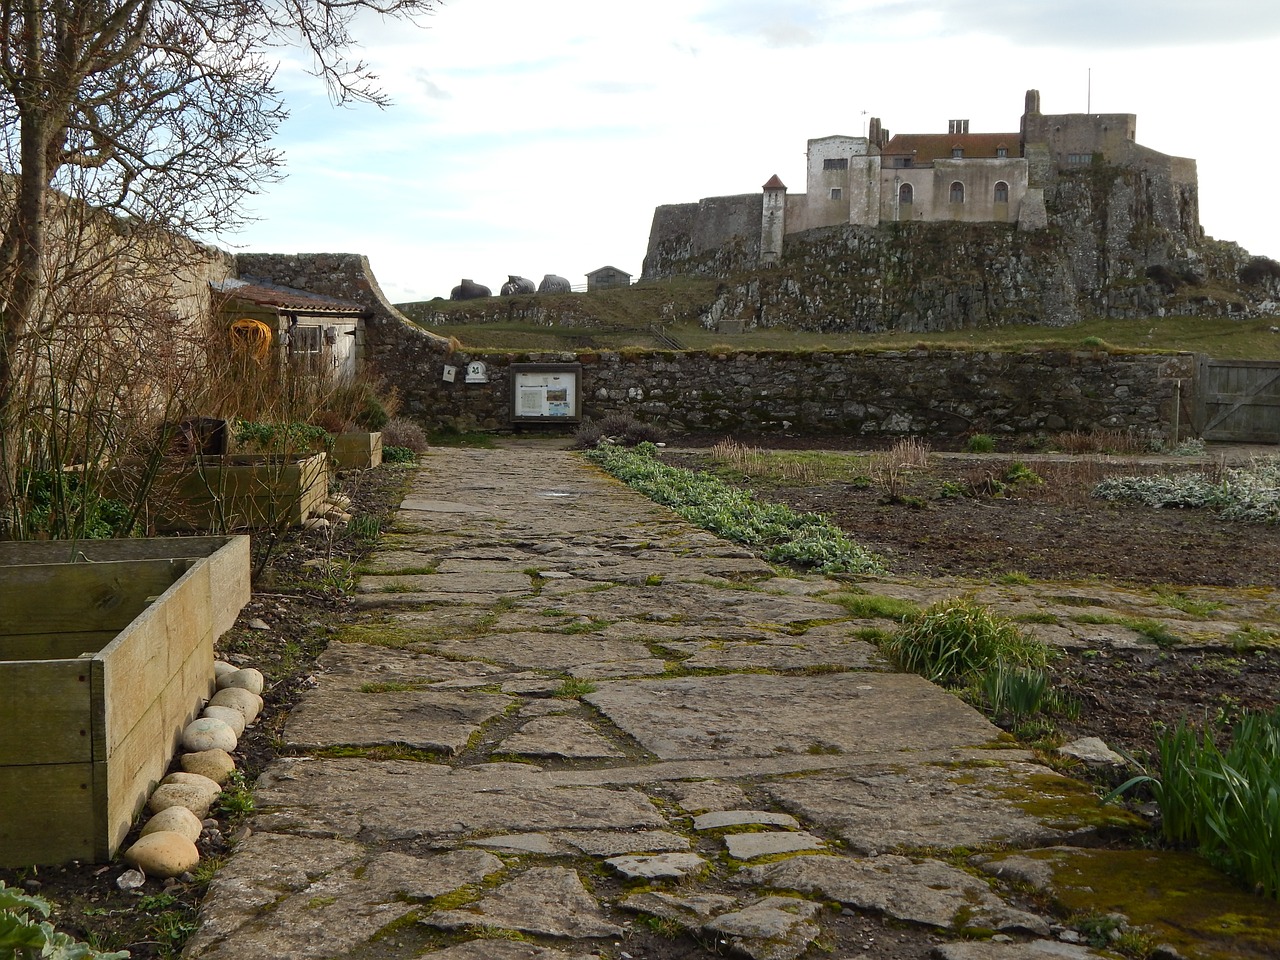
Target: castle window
(836,193)
(957,152)
(1002,151)
(1079,159)
(835,163)
(1002,192)
(903,161)
(957,192)
(905,193)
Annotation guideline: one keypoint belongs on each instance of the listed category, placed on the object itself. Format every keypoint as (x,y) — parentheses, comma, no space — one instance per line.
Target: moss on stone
(1177,895)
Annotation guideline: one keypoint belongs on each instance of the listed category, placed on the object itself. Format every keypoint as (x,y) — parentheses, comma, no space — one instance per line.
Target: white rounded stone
(232,717)
(175,820)
(246,679)
(217,765)
(250,704)
(194,797)
(221,666)
(208,733)
(165,853)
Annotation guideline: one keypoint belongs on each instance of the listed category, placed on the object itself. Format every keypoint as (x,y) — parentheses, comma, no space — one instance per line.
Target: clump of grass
(1225,802)
(873,605)
(980,443)
(955,641)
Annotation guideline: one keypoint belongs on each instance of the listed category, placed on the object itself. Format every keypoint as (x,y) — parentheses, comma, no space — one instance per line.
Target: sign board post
(546,393)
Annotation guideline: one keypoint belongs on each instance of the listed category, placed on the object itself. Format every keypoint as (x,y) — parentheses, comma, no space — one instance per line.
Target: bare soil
(950,519)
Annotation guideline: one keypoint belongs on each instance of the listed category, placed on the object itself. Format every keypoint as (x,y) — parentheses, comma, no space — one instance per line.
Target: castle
(957,176)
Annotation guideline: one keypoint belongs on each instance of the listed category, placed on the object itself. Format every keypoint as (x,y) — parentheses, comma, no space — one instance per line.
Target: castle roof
(775,183)
(928,147)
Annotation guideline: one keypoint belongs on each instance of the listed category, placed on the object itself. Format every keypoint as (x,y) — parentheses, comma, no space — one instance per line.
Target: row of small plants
(1250,493)
(26,934)
(782,534)
(1223,801)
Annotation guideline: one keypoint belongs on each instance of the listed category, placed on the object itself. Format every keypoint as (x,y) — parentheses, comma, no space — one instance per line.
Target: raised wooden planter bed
(240,492)
(351,451)
(106,653)
(357,451)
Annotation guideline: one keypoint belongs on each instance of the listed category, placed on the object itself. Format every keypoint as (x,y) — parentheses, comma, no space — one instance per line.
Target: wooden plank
(98,551)
(45,715)
(230,567)
(139,759)
(53,646)
(79,597)
(46,814)
(143,659)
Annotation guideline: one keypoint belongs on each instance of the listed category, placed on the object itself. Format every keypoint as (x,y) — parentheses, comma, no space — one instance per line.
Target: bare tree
(159,112)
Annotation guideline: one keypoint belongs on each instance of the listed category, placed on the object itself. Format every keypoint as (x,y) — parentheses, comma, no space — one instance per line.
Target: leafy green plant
(782,534)
(1013,692)
(956,640)
(1249,494)
(394,454)
(980,443)
(61,505)
(281,437)
(23,937)
(1223,801)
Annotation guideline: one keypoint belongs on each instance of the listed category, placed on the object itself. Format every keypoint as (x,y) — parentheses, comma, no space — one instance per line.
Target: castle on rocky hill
(957,176)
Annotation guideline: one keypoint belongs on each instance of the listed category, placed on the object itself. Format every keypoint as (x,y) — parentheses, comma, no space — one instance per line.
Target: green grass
(868,605)
(1223,800)
(622,318)
(956,641)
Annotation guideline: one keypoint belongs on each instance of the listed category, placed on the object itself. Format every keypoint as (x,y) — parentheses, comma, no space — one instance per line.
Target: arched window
(1002,192)
(905,193)
(957,192)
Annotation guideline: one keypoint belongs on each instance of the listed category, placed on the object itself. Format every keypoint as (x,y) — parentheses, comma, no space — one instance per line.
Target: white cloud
(538,138)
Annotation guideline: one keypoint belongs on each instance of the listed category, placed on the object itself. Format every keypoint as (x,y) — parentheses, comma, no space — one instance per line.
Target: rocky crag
(1118,243)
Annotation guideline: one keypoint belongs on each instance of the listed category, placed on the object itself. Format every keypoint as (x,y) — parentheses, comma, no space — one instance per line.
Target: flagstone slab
(569,737)
(303,897)
(774,928)
(545,901)
(498,584)
(483,949)
(348,666)
(917,891)
(691,603)
(543,651)
(612,843)
(752,846)
(437,804)
(850,654)
(437,720)
(905,804)
(856,714)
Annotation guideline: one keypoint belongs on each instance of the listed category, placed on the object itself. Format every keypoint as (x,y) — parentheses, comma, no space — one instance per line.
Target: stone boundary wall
(875,395)
(883,394)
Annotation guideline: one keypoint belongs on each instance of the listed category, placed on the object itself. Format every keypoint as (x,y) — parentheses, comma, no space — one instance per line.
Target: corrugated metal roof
(285,298)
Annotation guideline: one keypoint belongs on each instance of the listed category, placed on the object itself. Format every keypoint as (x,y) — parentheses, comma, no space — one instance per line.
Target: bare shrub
(401,432)
(618,427)
(1120,442)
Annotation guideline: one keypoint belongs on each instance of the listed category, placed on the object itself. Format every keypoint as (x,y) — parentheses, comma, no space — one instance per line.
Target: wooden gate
(1238,400)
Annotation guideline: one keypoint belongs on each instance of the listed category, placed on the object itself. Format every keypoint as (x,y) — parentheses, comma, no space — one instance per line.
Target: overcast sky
(538,136)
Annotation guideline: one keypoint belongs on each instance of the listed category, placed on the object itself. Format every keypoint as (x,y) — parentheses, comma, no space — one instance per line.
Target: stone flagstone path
(564,723)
